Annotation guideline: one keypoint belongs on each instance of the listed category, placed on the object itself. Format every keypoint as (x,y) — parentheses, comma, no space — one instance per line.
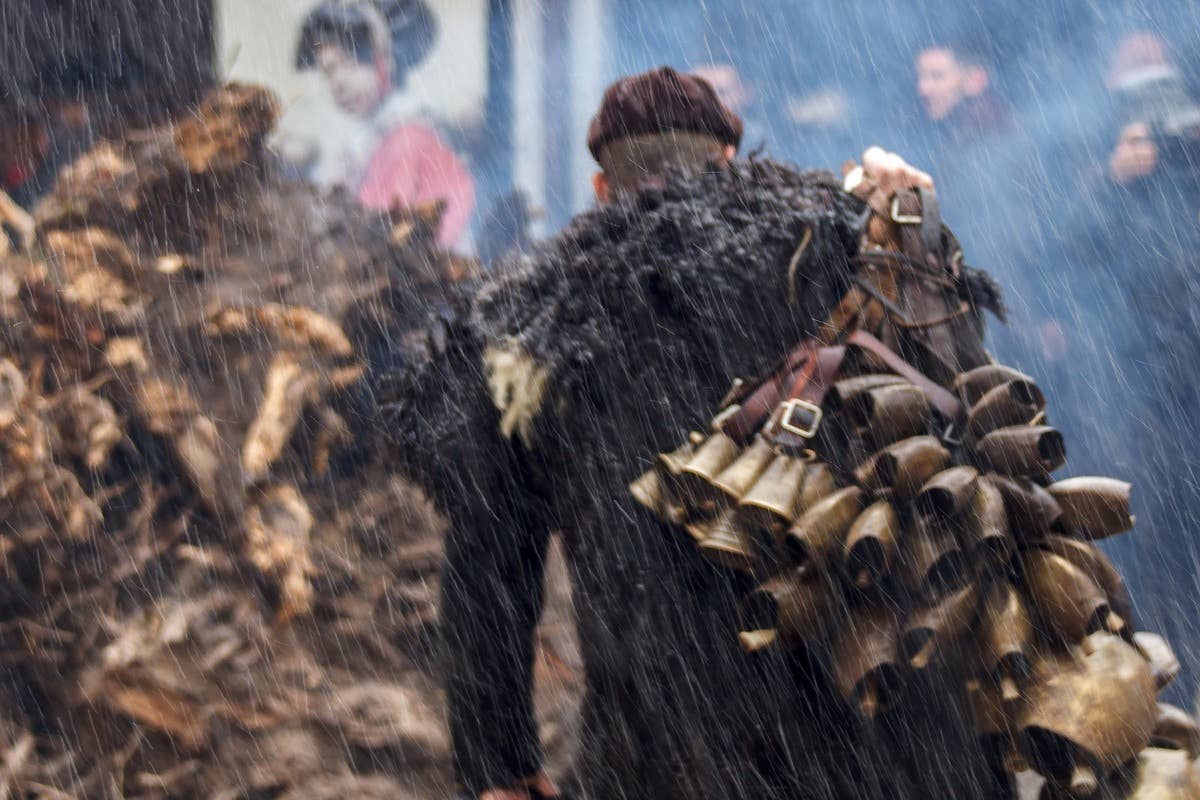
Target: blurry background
(1018,108)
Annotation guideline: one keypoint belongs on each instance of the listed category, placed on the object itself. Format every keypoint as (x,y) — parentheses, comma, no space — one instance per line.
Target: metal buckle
(950,437)
(789,408)
(903,219)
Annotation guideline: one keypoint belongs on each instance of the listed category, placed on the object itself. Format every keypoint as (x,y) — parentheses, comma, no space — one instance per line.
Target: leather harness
(787,405)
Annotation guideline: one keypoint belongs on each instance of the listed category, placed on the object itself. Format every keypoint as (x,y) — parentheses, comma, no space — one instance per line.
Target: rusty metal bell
(647,490)
(1016,402)
(1175,728)
(1022,450)
(800,606)
(949,492)
(816,539)
(695,478)
(995,725)
(1159,655)
(1093,507)
(726,541)
(737,478)
(774,499)
(819,483)
(669,466)
(866,666)
(1066,600)
(844,394)
(989,713)
(973,385)
(871,544)
(986,535)
(1162,774)
(891,413)
(904,467)
(650,491)
(1005,640)
(931,560)
(1032,512)
(1156,774)
(1087,712)
(1096,566)
(933,626)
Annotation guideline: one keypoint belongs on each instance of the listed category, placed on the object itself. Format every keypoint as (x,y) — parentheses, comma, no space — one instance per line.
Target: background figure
(987,171)
(738,95)
(1143,201)
(394,158)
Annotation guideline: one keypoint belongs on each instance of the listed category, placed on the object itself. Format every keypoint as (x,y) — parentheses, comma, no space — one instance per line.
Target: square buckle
(788,411)
(951,436)
(903,219)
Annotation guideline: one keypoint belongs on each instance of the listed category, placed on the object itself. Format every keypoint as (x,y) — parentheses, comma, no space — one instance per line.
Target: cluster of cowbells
(955,549)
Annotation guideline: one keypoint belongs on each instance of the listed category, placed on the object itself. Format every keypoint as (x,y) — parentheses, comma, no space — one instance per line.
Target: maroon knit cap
(661,101)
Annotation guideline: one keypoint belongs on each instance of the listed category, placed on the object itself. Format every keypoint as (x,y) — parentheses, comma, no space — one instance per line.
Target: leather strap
(931,220)
(801,383)
(941,398)
(806,378)
(759,401)
(920,238)
(800,414)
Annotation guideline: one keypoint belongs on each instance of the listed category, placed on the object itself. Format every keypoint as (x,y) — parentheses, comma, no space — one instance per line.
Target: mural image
(379,99)
(394,156)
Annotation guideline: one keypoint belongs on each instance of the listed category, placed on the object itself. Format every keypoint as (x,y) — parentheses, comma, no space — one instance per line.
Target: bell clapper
(869,701)
(1084,782)
(754,641)
(864,579)
(1009,690)
(924,654)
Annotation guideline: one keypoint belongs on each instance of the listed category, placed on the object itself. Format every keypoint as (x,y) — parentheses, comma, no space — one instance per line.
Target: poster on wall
(382,98)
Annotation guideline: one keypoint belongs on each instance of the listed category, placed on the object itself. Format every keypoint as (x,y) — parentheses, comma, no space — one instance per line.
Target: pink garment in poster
(410,166)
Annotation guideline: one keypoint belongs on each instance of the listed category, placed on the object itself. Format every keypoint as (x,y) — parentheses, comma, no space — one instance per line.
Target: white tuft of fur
(518,386)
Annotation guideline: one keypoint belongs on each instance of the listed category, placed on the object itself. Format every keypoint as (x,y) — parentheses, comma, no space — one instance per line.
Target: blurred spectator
(365,51)
(731,90)
(1160,134)
(1141,200)
(984,165)
(971,135)
(955,86)
(739,95)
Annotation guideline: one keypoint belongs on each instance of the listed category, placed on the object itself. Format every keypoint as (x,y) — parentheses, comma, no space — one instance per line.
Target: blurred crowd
(1065,147)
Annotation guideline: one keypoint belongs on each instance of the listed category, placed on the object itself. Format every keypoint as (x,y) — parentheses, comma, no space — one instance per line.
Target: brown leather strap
(799,415)
(761,400)
(810,369)
(806,377)
(942,399)
(917,214)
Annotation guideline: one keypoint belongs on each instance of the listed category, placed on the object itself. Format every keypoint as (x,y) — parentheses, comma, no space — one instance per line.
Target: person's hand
(891,173)
(1135,155)
(537,786)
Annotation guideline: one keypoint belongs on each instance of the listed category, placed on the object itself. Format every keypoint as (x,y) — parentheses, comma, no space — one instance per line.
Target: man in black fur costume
(553,389)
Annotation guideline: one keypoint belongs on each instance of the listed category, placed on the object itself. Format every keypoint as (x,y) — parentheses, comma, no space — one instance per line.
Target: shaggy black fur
(643,312)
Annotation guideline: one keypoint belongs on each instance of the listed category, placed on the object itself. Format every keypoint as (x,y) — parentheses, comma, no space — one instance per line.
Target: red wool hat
(661,101)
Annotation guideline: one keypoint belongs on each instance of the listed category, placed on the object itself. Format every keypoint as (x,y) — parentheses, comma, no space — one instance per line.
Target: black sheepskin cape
(541,400)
